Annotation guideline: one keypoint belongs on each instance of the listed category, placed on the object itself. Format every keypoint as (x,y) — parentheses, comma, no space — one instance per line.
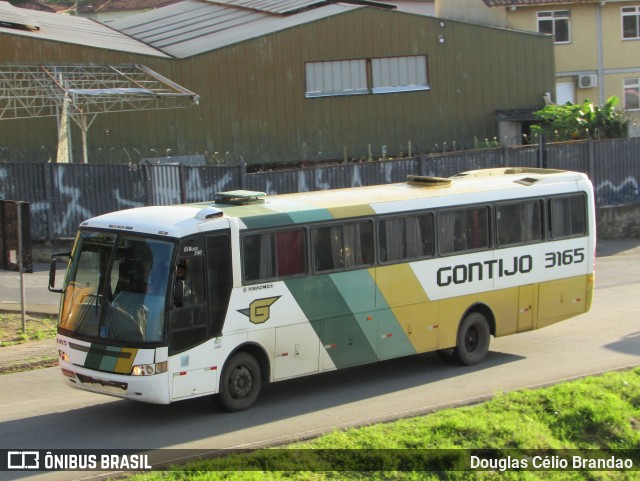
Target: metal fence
(63,195)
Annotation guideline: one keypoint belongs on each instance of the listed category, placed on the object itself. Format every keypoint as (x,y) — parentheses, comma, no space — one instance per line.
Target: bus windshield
(116,288)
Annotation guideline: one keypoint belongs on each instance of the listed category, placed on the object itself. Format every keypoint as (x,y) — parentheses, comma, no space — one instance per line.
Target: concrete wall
(619,222)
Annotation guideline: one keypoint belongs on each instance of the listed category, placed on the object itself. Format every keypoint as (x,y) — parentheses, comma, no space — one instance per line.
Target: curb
(27,356)
(35,310)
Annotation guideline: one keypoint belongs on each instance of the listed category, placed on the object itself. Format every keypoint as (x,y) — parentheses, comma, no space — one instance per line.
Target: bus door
(202,288)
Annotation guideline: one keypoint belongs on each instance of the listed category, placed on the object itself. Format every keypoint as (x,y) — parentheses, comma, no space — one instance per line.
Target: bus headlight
(149,369)
(63,356)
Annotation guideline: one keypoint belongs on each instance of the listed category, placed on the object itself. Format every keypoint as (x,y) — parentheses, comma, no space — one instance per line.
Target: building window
(631,22)
(632,93)
(399,74)
(345,77)
(556,23)
(366,76)
(565,92)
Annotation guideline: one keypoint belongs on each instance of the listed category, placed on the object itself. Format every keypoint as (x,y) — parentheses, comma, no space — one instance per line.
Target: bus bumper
(152,389)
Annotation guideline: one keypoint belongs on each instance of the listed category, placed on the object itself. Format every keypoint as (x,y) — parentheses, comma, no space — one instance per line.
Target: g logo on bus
(259,310)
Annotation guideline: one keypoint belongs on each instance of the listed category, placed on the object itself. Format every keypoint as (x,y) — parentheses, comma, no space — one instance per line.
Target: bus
(165,303)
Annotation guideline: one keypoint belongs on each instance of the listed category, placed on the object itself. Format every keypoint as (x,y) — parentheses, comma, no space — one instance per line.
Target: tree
(585,121)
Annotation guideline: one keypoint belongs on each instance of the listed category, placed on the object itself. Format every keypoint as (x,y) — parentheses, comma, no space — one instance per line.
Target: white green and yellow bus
(161,304)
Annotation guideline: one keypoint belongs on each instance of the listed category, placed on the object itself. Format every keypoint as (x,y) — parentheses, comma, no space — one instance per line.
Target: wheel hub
(471,340)
(241,382)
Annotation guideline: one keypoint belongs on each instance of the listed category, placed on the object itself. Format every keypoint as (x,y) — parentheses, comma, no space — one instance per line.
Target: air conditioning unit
(587,81)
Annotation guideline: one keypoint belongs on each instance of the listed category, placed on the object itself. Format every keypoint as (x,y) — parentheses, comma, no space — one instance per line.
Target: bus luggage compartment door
(297,351)
(196,375)
(526,302)
(562,299)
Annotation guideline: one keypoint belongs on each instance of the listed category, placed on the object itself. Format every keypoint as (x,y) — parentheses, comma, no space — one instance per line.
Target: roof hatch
(527,180)
(427,181)
(209,212)
(240,197)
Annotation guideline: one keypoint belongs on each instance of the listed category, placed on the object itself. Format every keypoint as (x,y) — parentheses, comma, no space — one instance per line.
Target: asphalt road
(37,297)
(39,412)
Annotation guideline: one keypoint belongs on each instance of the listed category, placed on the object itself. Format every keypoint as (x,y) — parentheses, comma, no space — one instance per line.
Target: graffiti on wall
(64,195)
(625,192)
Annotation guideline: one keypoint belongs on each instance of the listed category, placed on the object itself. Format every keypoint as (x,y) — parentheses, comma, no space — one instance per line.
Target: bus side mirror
(52,271)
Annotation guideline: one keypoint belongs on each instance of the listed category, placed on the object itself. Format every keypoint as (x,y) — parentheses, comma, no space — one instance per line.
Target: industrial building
(284,81)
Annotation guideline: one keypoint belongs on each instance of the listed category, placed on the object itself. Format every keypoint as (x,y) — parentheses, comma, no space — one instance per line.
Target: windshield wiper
(110,320)
(94,298)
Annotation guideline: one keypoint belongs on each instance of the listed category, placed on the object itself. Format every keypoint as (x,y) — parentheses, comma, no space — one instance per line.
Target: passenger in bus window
(182,290)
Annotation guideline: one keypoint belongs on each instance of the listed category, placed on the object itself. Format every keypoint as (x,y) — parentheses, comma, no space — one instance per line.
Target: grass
(594,413)
(11,334)
(38,328)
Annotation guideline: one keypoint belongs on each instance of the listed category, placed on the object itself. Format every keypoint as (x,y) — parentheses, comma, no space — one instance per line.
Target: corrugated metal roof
(78,31)
(417,8)
(193,27)
(280,7)
(11,17)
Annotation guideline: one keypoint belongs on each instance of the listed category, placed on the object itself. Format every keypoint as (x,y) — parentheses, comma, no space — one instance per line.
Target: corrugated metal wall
(61,196)
(615,168)
(199,184)
(165,185)
(30,183)
(80,191)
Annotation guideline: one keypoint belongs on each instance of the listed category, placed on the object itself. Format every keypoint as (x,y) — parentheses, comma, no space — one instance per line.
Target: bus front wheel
(473,339)
(240,383)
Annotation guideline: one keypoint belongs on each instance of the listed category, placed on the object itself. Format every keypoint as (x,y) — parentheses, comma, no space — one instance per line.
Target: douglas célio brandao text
(550,463)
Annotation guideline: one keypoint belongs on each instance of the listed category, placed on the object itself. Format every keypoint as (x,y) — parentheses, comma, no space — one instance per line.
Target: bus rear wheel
(473,339)
(240,383)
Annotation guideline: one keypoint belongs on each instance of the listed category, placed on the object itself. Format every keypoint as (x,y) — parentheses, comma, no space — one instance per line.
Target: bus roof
(256,210)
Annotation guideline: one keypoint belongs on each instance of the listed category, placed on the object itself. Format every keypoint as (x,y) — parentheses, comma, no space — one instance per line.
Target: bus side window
(465,229)
(327,247)
(258,257)
(420,235)
(508,224)
(189,280)
(291,252)
(358,244)
(568,216)
(406,237)
(478,228)
(343,245)
(452,233)
(392,235)
(519,223)
(273,254)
